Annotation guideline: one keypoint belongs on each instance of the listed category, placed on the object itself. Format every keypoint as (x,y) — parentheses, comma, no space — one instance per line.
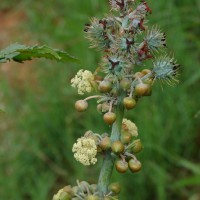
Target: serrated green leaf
(21,53)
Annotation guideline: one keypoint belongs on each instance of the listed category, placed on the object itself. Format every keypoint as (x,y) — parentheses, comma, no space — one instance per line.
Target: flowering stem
(108,162)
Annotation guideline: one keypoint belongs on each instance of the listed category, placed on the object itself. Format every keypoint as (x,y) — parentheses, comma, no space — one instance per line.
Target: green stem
(108,162)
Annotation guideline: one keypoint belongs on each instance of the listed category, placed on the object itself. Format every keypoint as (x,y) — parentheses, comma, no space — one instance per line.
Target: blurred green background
(40,124)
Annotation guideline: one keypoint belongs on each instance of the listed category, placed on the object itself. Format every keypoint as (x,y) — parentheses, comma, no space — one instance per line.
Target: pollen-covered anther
(129,126)
(85,150)
(83,81)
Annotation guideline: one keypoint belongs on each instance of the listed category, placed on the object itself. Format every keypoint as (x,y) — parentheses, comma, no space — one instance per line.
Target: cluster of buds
(124,149)
(85,191)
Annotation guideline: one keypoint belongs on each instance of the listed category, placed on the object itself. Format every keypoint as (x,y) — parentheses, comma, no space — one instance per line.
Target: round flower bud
(137,146)
(105,143)
(109,118)
(125,84)
(117,147)
(146,71)
(138,75)
(121,166)
(125,137)
(142,89)
(129,103)
(134,165)
(105,86)
(115,187)
(81,105)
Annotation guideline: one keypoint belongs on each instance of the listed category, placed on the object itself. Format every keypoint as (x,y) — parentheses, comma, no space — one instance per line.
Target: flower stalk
(109,160)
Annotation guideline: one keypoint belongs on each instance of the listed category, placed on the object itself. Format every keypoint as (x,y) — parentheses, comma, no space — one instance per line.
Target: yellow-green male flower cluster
(83,81)
(130,127)
(85,150)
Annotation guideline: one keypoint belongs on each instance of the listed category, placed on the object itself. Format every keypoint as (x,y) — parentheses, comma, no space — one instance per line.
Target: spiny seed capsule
(115,187)
(129,103)
(125,84)
(121,166)
(109,117)
(117,147)
(92,197)
(134,165)
(105,86)
(142,89)
(137,146)
(105,143)
(81,105)
(125,137)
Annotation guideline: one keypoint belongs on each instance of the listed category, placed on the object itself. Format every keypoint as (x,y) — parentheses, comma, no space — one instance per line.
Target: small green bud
(81,105)
(121,166)
(117,147)
(137,146)
(115,187)
(134,165)
(125,137)
(105,86)
(142,89)
(125,84)
(129,103)
(105,143)
(109,118)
